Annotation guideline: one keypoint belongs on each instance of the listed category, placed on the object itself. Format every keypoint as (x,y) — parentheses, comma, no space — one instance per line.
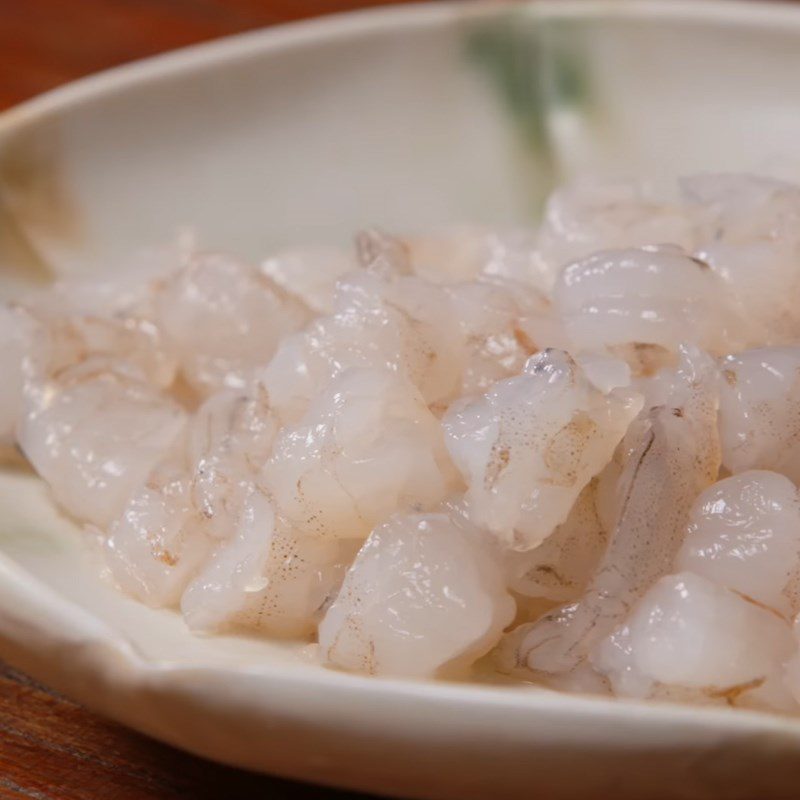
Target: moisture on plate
(567,456)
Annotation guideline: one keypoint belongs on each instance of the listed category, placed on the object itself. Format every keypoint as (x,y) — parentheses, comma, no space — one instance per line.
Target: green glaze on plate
(538,69)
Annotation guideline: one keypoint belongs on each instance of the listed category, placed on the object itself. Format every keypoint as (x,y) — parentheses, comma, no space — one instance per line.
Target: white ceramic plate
(305,133)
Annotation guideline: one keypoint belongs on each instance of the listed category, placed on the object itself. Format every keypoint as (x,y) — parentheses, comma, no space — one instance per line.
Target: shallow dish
(410,118)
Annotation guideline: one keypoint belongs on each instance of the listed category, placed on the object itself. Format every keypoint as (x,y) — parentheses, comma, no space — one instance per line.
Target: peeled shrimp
(652,296)
(310,274)
(393,323)
(528,446)
(591,217)
(422,598)
(15,341)
(95,437)
(677,456)
(744,534)
(759,418)
(229,440)
(747,232)
(560,567)
(688,633)
(159,542)
(223,319)
(367,446)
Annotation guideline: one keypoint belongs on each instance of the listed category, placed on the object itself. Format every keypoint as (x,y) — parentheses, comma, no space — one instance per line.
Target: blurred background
(44,43)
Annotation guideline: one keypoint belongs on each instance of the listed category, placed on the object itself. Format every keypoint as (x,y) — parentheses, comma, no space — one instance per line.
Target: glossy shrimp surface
(565,454)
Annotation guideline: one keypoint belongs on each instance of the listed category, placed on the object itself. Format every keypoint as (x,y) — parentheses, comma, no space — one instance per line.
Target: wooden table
(51,748)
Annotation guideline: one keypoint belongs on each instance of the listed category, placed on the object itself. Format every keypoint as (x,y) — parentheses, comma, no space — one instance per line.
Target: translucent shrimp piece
(173,522)
(468,254)
(397,324)
(223,320)
(645,360)
(688,633)
(747,231)
(460,255)
(300,577)
(305,363)
(561,566)
(95,437)
(432,351)
(123,293)
(744,534)
(590,217)
(235,568)
(652,296)
(759,419)
(159,541)
(230,439)
(528,446)
(264,577)
(514,256)
(604,372)
(492,318)
(133,348)
(367,446)
(740,207)
(450,256)
(110,316)
(677,456)
(310,274)
(422,598)
(16,335)
(383,254)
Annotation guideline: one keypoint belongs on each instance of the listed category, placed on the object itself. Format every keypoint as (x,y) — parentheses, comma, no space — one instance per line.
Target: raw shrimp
(432,352)
(687,632)
(469,254)
(493,318)
(367,446)
(236,565)
(310,274)
(528,446)
(230,439)
(95,437)
(560,567)
(424,597)
(747,232)
(676,458)
(570,454)
(223,319)
(589,217)
(301,575)
(129,347)
(744,534)
(159,542)
(759,419)
(383,254)
(650,296)
(16,334)
(395,323)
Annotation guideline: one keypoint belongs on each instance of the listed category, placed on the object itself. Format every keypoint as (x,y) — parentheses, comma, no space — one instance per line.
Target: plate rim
(343,25)
(108,654)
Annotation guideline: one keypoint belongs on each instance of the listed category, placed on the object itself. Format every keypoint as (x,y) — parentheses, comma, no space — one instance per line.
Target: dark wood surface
(51,748)
(44,43)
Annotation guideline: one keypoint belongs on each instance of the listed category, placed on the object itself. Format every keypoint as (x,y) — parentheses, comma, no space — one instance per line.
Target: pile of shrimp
(566,455)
